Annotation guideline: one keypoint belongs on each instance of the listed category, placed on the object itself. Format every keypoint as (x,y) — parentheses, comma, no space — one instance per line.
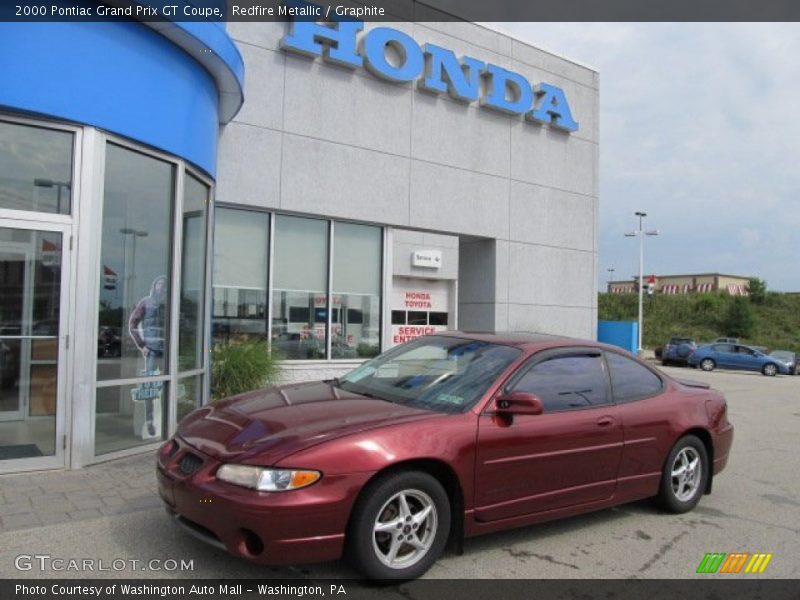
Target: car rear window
(630,380)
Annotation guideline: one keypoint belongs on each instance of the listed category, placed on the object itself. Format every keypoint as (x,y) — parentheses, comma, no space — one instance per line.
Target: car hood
(265,426)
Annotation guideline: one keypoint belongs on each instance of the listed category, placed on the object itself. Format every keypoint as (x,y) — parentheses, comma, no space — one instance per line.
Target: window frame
(181,168)
(554,354)
(652,370)
(331,229)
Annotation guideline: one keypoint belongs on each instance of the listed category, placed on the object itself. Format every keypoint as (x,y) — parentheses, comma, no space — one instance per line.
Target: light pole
(130,275)
(640,233)
(610,276)
(59,185)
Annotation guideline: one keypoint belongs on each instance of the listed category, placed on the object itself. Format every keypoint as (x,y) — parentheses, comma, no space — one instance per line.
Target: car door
(725,356)
(638,393)
(566,456)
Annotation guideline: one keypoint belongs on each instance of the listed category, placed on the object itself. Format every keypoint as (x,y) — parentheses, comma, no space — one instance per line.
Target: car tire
(685,475)
(708,364)
(399,526)
(769,369)
(664,362)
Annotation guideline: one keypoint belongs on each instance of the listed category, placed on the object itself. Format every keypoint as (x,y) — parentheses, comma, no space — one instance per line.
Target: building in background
(735,285)
(163,188)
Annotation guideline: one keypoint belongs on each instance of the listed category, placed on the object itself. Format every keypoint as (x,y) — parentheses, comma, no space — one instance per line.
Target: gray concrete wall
(320,139)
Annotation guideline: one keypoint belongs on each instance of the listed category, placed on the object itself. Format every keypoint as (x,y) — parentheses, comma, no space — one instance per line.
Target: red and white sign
(405,333)
(51,254)
(109,278)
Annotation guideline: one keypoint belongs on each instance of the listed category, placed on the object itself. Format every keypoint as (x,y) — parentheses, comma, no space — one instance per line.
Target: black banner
(713,587)
(403,10)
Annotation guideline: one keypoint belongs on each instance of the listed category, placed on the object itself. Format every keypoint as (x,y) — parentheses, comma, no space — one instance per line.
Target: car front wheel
(399,527)
(769,369)
(685,475)
(707,364)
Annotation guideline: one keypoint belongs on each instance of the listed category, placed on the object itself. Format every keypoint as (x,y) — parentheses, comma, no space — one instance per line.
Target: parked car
(736,356)
(445,437)
(789,358)
(725,340)
(677,350)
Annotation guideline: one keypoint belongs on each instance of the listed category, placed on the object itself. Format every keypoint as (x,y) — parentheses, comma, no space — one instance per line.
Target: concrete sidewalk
(45,498)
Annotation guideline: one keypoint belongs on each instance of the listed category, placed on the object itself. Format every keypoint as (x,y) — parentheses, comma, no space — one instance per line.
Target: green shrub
(241,366)
(740,321)
(757,288)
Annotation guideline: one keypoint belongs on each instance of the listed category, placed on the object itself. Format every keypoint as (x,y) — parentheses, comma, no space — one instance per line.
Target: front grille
(189,463)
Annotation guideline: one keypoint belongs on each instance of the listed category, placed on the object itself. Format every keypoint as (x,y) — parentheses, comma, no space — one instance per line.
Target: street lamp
(640,234)
(610,276)
(59,185)
(130,274)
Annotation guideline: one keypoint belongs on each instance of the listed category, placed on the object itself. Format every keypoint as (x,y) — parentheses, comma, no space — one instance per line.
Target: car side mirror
(519,403)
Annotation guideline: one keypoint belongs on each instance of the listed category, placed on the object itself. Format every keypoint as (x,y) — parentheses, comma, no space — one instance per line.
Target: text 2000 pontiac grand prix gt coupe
(448,436)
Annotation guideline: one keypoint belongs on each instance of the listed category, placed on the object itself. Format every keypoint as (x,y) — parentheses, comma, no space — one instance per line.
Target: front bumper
(275,528)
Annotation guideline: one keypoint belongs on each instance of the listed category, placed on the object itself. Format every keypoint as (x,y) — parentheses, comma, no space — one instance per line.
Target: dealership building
(334,189)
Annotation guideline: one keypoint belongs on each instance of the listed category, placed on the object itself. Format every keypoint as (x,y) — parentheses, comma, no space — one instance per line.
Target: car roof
(525,339)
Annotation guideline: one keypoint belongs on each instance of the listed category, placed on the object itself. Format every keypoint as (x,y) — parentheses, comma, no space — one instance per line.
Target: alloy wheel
(404,529)
(687,473)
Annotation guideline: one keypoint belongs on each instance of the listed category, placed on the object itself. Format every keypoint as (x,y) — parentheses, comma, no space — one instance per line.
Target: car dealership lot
(754,508)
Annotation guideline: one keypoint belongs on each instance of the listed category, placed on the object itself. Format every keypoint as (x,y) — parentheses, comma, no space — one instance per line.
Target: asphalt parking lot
(754,508)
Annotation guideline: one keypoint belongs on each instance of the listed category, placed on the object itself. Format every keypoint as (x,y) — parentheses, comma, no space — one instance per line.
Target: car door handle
(605,421)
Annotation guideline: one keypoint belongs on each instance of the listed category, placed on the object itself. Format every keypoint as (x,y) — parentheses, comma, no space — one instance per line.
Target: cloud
(697,129)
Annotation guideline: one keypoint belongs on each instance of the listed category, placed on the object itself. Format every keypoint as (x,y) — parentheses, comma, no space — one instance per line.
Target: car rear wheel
(707,364)
(685,475)
(399,527)
(769,369)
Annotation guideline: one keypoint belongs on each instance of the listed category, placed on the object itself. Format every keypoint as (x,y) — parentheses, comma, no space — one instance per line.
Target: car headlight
(265,479)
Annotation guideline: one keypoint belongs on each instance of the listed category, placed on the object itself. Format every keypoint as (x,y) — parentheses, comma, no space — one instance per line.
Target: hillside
(774,323)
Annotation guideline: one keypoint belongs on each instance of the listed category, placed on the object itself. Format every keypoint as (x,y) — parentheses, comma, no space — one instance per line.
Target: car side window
(630,380)
(566,383)
(723,348)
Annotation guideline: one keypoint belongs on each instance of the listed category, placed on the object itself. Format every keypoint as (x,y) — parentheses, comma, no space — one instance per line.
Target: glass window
(398,317)
(189,394)
(442,374)
(241,243)
(631,380)
(723,348)
(193,275)
(566,383)
(30,295)
(130,415)
(437,318)
(357,252)
(135,258)
(35,168)
(300,283)
(416,317)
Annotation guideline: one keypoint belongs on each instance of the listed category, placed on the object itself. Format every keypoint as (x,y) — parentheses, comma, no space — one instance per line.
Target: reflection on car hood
(264,426)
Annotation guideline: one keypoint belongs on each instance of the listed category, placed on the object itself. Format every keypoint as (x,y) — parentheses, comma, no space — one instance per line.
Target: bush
(757,288)
(241,366)
(739,321)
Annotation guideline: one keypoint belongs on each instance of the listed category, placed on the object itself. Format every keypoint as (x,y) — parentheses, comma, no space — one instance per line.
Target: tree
(739,321)
(757,288)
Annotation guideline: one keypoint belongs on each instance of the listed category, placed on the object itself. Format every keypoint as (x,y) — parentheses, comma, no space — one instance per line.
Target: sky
(699,128)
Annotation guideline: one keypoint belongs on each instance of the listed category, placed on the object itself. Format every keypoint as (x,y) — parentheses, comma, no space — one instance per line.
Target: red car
(446,437)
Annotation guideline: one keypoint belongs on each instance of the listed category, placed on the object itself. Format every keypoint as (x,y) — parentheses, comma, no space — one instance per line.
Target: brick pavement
(36,499)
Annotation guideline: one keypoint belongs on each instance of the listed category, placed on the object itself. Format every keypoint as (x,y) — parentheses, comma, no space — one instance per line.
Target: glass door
(33,275)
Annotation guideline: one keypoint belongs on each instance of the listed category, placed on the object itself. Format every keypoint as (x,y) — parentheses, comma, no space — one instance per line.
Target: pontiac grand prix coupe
(445,437)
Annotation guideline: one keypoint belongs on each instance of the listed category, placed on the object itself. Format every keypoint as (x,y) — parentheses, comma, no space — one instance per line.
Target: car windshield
(443,374)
